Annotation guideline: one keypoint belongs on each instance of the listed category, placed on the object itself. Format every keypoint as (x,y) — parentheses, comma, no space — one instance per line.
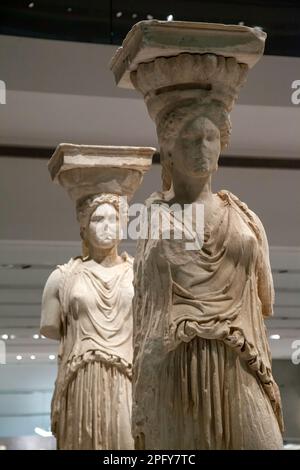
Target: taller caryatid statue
(87,301)
(202,375)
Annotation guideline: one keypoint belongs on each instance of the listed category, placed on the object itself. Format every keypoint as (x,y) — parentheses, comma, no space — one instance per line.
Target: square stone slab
(84,170)
(148,40)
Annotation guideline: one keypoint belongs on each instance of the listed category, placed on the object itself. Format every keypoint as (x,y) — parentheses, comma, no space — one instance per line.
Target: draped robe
(91,405)
(202,375)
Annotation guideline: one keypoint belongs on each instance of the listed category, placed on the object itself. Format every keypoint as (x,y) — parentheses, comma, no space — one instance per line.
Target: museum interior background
(54,58)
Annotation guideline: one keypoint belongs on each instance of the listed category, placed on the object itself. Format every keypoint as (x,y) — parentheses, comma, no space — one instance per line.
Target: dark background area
(108,21)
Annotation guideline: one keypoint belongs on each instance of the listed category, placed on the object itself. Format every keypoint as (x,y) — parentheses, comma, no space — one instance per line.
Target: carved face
(103,229)
(197,147)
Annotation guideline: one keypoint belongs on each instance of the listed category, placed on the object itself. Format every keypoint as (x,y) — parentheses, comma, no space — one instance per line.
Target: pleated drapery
(91,405)
(202,376)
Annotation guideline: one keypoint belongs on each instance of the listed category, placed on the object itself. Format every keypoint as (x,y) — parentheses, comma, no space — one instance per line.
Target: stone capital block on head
(84,170)
(149,40)
(196,66)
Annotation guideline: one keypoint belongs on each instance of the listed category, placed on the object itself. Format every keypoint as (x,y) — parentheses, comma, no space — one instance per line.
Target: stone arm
(265,286)
(51,310)
(265,279)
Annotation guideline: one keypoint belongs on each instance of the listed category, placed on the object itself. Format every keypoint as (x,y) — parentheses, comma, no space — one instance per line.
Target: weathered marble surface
(202,376)
(148,40)
(87,302)
(94,169)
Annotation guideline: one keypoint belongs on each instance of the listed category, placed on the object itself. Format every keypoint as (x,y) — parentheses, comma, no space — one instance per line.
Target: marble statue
(87,301)
(202,376)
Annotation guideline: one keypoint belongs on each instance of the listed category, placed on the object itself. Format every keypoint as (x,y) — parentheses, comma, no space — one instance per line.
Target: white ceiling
(63,91)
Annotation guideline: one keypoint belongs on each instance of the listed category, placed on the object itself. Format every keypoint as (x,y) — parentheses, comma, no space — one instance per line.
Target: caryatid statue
(202,375)
(87,301)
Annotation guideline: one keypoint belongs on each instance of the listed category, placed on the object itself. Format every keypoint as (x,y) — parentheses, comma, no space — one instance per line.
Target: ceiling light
(36,336)
(12,336)
(119,14)
(51,357)
(134,15)
(275,336)
(4,336)
(42,432)
(30,5)
(43,337)
(149,17)
(241,23)
(170,18)
(32,357)
(69,10)
(19,357)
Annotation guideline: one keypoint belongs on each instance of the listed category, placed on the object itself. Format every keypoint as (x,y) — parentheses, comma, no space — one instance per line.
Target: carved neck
(104,257)
(188,189)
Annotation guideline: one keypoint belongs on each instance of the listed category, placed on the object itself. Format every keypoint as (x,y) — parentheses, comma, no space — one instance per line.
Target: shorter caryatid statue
(202,376)
(87,301)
